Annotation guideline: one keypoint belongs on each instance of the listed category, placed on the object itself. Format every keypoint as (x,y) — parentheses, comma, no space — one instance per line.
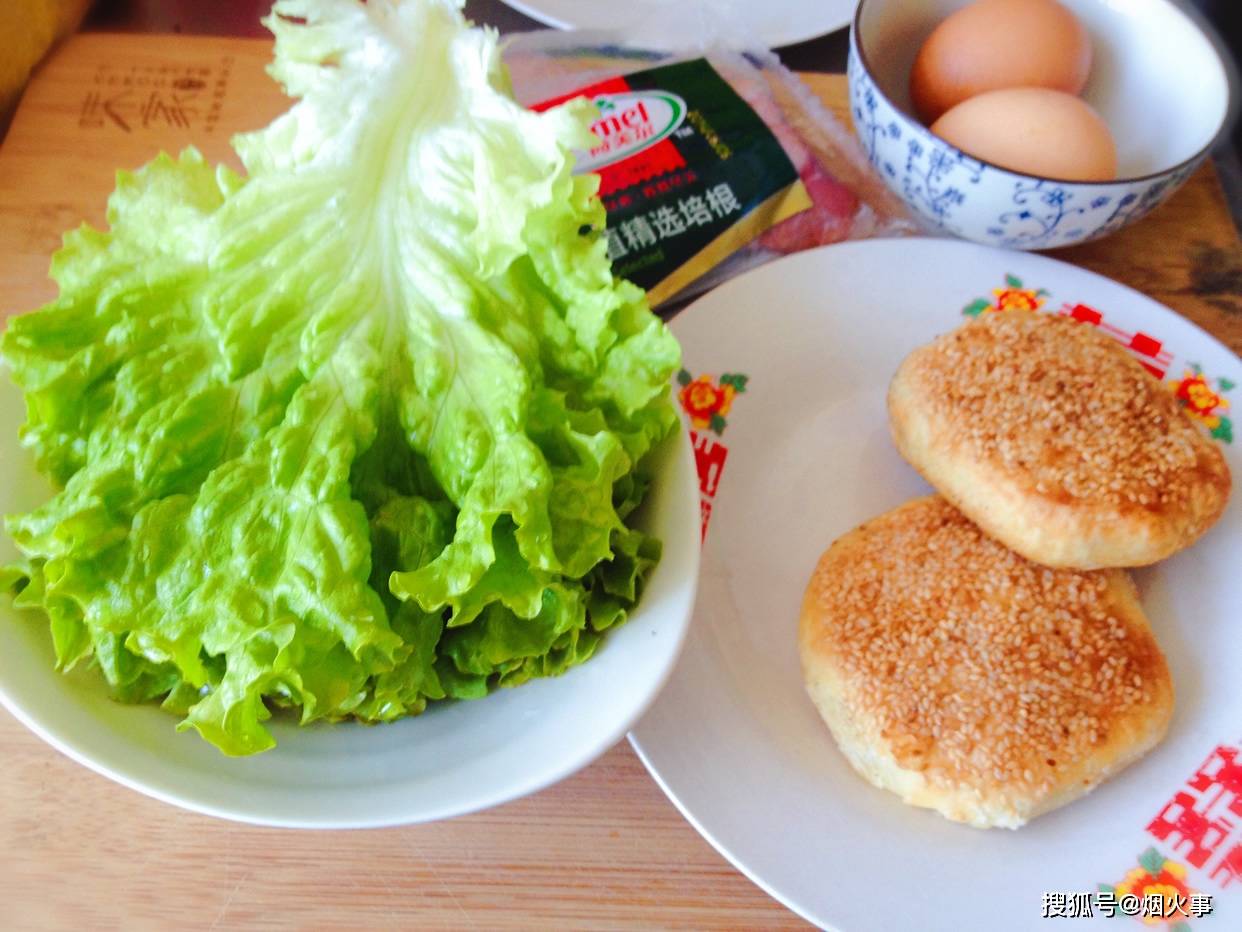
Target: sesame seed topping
(973,663)
(1064,410)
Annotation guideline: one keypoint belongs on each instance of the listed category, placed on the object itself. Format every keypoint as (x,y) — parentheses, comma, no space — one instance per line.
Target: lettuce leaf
(357,429)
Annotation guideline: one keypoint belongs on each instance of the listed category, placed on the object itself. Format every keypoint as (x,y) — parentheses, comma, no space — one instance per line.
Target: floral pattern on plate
(706,400)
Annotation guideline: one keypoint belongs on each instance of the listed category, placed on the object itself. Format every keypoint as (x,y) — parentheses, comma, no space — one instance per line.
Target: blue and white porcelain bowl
(1158,80)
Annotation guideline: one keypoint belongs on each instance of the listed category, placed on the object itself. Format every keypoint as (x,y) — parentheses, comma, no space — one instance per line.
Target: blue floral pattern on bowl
(952,192)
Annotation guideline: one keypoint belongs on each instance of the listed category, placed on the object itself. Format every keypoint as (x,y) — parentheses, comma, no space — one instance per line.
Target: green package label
(689,173)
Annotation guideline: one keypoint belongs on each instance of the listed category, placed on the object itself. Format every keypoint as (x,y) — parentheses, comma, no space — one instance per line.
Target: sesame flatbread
(1055,441)
(969,680)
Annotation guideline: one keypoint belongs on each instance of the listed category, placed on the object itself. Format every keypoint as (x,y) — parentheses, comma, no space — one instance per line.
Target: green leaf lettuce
(355,430)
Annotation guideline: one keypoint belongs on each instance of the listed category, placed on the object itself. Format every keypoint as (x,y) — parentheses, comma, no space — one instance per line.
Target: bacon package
(710,163)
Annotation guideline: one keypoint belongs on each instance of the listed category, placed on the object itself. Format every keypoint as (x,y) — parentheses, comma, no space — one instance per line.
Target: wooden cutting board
(603,849)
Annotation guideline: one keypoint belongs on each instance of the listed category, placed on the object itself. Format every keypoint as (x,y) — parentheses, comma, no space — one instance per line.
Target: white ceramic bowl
(455,758)
(1157,79)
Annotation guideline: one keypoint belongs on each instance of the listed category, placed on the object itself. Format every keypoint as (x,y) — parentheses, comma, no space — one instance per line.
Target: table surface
(603,849)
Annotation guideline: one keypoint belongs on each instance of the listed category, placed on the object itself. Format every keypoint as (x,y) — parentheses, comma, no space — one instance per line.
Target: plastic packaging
(687,133)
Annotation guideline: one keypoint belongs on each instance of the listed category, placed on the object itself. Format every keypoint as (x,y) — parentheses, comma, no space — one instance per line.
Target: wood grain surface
(601,850)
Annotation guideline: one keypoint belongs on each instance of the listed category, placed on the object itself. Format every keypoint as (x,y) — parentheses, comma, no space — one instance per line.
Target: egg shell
(994,44)
(1046,133)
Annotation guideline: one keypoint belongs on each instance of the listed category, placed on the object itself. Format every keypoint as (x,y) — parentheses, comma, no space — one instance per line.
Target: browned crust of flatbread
(1053,439)
(967,679)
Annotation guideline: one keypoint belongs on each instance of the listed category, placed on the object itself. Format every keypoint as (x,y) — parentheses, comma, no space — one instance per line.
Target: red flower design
(1198,398)
(1017,299)
(704,400)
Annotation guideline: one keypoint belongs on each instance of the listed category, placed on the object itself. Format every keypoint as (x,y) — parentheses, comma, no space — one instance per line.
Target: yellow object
(1034,130)
(995,44)
(28,28)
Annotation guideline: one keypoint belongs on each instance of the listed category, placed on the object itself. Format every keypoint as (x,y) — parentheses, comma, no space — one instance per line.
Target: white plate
(772,24)
(455,758)
(734,740)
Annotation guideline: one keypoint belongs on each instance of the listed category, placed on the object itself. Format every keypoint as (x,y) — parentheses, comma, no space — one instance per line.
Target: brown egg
(1030,129)
(993,44)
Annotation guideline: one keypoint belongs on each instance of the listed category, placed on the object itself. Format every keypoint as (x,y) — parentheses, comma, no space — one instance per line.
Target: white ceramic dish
(455,758)
(1157,79)
(804,456)
(771,25)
